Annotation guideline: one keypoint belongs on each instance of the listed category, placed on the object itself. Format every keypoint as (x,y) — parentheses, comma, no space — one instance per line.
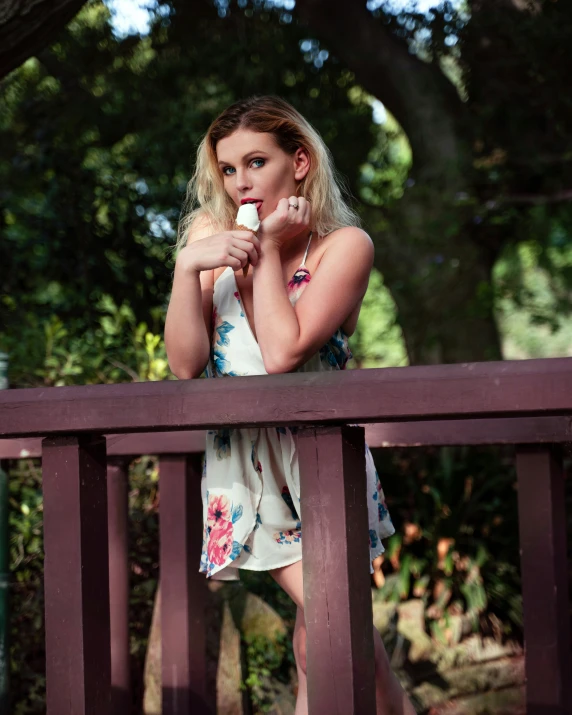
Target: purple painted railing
(527,403)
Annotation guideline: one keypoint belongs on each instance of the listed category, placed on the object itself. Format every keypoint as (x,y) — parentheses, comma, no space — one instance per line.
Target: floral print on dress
(219,544)
(291,536)
(254,458)
(237,296)
(221,329)
(289,501)
(379,497)
(297,283)
(222,442)
(337,350)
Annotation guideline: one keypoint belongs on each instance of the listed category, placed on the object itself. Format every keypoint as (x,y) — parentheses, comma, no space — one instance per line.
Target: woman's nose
(242,180)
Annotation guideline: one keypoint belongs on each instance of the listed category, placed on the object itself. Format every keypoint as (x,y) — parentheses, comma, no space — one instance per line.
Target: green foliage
(117,348)
(456,545)
(266,658)
(378,339)
(534,297)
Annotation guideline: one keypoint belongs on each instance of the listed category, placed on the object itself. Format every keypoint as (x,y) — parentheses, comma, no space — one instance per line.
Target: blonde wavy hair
(206,197)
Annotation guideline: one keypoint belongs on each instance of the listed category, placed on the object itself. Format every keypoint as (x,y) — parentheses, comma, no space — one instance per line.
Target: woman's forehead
(243,141)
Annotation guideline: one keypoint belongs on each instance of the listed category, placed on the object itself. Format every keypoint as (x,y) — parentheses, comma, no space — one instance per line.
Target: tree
(486,173)
(479,161)
(96,148)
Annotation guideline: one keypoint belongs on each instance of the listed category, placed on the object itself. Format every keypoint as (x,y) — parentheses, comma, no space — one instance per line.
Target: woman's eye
(228,169)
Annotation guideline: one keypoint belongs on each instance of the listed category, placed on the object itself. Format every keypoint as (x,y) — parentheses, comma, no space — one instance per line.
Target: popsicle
(247,220)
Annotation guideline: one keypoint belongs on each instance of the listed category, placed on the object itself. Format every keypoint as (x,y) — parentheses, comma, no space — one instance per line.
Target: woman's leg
(290,579)
(390,696)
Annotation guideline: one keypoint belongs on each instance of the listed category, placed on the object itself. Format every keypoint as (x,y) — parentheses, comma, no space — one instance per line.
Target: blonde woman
(308,271)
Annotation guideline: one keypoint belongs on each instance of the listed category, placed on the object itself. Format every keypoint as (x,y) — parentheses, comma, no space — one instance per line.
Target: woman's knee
(299,643)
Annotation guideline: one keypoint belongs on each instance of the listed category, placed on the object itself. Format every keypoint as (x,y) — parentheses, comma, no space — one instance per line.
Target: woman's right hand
(229,248)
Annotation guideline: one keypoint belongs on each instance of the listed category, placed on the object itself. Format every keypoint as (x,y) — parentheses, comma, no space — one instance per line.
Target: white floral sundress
(251,481)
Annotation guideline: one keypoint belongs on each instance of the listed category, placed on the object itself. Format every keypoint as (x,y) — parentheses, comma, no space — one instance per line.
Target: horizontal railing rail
(496,389)
(507,430)
(528,404)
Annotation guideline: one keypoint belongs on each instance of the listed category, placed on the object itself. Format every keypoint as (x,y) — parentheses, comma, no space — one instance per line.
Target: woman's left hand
(286,221)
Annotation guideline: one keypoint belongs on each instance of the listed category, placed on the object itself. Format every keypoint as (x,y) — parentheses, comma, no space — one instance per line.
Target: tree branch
(419,95)
(27,26)
(538,199)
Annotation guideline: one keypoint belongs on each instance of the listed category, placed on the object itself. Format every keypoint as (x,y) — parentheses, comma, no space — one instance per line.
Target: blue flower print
(373,538)
(222,443)
(237,296)
(288,499)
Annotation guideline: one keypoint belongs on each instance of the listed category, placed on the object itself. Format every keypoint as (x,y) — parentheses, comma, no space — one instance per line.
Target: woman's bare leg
(390,696)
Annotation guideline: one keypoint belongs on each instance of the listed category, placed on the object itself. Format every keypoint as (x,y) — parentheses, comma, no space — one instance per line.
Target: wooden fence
(527,403)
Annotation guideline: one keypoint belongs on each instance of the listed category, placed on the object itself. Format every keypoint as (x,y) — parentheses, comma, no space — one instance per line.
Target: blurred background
(451,125)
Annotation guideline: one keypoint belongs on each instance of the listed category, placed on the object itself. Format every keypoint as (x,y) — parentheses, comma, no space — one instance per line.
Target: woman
(308,270)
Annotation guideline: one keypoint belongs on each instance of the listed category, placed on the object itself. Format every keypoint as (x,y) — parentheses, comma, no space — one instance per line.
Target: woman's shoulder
(346,240)
(200,227)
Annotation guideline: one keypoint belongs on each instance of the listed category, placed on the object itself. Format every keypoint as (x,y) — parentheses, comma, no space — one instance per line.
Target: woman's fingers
(252,248)
(301,214)
(240,255)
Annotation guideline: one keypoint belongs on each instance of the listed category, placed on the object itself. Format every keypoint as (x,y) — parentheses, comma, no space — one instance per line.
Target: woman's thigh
(290,579)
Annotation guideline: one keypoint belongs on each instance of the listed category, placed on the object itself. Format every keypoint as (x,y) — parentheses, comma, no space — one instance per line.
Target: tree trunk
(440,279)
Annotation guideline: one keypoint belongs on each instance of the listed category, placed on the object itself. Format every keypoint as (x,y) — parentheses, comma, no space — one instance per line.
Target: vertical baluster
(542,527)
(118,521)
(183,589)
(76,575)
(337,592)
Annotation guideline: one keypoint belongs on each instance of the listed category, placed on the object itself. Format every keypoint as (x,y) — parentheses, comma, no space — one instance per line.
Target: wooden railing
(526,403)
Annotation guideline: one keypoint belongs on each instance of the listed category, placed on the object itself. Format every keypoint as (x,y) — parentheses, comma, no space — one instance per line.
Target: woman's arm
(188,321)
(289,335)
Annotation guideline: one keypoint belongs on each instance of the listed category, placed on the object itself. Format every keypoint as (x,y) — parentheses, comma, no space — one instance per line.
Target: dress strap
(307,249)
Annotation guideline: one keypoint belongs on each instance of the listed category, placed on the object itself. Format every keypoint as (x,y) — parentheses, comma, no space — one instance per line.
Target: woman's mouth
(256,202)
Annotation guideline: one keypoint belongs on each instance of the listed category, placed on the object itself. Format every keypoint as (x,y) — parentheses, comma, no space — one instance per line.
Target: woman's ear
(301,163)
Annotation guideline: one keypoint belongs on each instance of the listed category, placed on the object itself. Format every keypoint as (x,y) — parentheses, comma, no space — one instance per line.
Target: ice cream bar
(247,220)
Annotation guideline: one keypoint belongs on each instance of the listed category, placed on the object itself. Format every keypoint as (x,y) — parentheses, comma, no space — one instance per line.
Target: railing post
(337,591)
(183,589)
(76,575)
(4,589)
(542,527)
(118,521)
(4,566)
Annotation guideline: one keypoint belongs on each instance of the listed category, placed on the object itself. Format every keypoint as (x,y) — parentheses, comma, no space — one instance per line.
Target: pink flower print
(254,458)
(218,511)
(237,296)
(220,543)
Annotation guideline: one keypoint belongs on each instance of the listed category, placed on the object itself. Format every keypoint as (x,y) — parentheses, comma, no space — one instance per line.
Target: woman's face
(255,168)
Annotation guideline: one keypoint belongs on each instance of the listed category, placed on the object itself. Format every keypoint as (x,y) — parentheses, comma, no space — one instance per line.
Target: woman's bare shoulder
(344,240)
(346,234)
(201,227)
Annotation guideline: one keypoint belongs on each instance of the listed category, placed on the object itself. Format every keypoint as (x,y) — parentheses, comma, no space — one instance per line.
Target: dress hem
(251,568)
(373,554)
